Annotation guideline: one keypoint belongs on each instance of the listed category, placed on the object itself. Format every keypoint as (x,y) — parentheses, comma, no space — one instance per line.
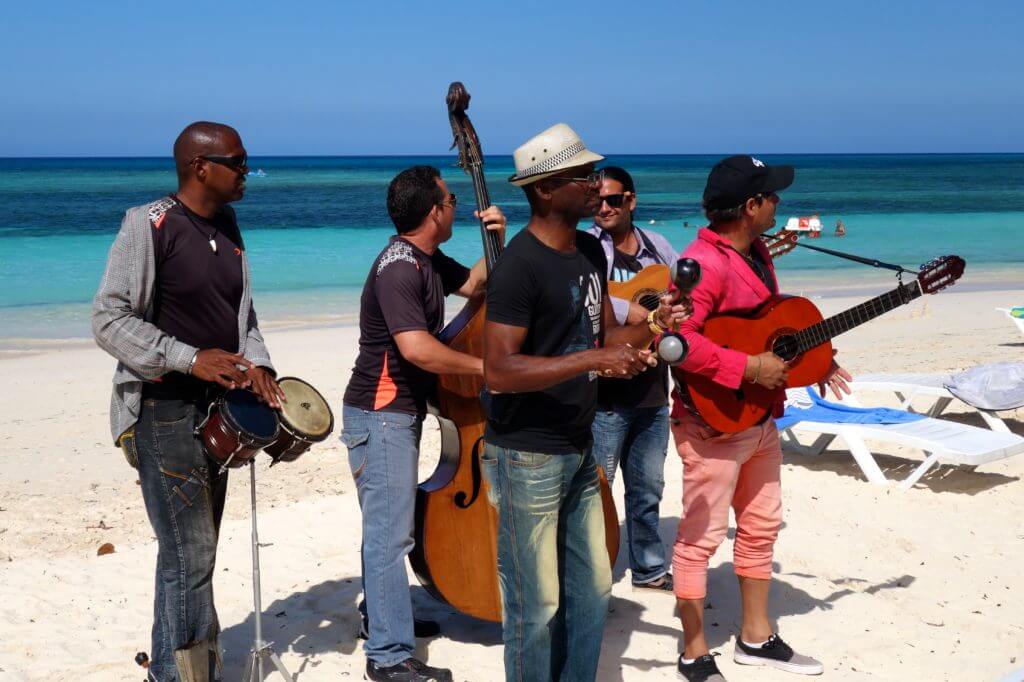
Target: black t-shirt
(558,296)
(647,389)
(198,288)
(404,291)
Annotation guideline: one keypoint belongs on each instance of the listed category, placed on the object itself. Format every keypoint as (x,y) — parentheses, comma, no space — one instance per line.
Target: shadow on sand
(722,615)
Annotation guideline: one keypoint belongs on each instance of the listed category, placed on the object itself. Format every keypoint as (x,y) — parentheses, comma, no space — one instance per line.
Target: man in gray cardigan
(175,309)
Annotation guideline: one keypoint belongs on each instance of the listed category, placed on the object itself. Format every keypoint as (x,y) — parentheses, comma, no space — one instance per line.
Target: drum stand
(260,649)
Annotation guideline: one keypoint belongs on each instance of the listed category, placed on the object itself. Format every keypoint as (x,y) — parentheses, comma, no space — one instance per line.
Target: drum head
(305,411)
(244,411)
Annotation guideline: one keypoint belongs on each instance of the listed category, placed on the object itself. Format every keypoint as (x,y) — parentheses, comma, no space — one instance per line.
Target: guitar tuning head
(940,273)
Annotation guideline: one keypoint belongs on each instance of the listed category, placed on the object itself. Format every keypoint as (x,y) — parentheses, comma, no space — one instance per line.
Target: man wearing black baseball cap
(733,470)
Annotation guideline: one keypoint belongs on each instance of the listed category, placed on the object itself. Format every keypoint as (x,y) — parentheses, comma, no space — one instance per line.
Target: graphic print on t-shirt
(588,317)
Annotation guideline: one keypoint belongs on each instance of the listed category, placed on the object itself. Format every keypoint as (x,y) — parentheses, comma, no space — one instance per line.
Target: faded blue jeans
(184,497)
(552,562)
(638,438)
(383,453)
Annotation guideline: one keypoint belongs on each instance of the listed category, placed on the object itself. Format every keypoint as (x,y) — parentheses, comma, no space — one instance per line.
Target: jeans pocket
(528,460)
(172,412)
(355,440)
(489,470)
(184,488)
(127,444)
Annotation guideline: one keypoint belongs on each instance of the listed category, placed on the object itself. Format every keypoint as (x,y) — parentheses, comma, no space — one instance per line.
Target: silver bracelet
(192,362)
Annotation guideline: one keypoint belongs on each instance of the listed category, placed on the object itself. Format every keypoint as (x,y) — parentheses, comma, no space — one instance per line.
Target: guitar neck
(827,329)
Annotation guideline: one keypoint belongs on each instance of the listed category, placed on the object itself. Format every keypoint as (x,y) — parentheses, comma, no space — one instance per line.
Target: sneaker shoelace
(775,643)
(706,664)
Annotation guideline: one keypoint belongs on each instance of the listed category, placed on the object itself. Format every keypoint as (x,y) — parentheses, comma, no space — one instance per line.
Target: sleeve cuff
(179,357)
(732,363)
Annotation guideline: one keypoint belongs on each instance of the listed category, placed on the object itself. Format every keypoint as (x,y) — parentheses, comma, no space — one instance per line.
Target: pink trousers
(740,470)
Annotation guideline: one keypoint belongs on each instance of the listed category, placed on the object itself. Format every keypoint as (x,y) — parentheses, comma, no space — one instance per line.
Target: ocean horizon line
(148,157)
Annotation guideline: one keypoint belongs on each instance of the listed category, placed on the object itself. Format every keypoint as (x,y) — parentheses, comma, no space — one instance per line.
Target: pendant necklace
(211,237)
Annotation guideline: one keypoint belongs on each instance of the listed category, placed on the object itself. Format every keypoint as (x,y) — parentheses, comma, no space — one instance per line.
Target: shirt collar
(643,250)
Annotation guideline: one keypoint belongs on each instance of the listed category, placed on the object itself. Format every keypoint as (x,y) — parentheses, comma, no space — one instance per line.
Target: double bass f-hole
(460,497)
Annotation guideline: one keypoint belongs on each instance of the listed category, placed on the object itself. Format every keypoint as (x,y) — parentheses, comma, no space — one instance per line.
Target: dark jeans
(552,562)
(638,439)
(184,498)
(383,454)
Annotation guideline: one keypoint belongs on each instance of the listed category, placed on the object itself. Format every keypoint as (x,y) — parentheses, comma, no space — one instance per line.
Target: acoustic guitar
(651,283)
(794,329)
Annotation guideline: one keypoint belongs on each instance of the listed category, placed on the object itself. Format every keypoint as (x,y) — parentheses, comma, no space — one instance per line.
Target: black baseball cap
(738,178)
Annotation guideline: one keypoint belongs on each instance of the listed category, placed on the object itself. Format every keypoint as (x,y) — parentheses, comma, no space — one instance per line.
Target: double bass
(456,552)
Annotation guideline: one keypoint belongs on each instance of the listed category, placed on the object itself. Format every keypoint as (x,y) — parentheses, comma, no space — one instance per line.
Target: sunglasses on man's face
(614,200)
(452,200)
(592,181)
(239,162)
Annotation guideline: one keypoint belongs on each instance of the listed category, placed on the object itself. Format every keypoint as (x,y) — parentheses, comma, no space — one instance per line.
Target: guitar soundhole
(785,347)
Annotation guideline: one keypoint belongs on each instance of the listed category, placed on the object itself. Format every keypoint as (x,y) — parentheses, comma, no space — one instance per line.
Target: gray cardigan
(122,310)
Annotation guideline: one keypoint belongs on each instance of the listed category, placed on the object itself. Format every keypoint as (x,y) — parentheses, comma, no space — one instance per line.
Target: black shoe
(777,654)
(420,628)
(703,669)
(409,670)
(662,584)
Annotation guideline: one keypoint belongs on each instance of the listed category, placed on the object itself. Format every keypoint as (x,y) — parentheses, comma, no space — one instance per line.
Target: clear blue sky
(119,78)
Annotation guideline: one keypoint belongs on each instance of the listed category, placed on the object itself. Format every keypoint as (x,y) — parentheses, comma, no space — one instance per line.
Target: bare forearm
(517,373)
(637,335)
(476,282)
(444,360)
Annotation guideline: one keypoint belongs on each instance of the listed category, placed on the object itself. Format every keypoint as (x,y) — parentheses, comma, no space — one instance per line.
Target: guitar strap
(873,262)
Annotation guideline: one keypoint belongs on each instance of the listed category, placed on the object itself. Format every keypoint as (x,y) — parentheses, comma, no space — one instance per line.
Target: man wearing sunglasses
(175,309)
(631,425)
(550,332)
(401,312)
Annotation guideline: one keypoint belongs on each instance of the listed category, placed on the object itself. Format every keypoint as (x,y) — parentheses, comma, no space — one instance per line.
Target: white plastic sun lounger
(907,387)
(1016,320)
(943,442)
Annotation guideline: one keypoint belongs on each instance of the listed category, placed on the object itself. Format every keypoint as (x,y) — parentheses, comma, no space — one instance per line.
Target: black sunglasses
(614,200)
(452,200)
(239,162)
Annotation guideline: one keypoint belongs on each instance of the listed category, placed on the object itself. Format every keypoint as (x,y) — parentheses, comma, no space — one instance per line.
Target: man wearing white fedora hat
(550,332)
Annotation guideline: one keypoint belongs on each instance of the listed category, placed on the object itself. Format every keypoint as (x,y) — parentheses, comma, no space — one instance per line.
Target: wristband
(655,328)
(757,374)
(192,362)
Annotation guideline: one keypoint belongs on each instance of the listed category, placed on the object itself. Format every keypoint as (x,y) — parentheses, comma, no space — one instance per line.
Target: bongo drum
(237,426)
(305,419)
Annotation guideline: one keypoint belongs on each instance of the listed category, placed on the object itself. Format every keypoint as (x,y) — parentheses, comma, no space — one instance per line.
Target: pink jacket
(727,285)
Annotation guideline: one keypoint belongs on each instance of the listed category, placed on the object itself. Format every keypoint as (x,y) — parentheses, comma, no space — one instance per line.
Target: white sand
(879,584)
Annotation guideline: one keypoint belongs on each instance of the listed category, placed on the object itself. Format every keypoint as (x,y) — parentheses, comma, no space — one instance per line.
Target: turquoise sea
(312,225)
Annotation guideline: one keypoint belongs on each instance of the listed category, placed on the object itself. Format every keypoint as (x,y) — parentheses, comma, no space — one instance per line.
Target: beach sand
(877,583)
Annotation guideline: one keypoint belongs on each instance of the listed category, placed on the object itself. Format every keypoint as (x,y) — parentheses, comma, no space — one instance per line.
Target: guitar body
(651,281)
(456,550)
(731,411)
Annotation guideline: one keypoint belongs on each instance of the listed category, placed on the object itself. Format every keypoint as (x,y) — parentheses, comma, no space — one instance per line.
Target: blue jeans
(383,453)
(552,562)
(184,498)
(638,437)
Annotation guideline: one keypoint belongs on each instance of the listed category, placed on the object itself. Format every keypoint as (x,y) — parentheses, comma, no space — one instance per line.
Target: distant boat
(807,226)
(258,173)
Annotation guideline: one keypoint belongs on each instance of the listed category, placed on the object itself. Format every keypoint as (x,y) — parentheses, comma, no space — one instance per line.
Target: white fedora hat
(550,152)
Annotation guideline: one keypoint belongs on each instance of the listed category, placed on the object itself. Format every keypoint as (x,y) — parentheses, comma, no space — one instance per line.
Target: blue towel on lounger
(814,408)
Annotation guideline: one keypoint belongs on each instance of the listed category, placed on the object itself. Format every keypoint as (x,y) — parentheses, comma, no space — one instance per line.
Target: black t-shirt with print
(558,296)
(198,288)
(404,291)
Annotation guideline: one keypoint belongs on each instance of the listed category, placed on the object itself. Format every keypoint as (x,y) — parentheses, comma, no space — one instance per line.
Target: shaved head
(200,139)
